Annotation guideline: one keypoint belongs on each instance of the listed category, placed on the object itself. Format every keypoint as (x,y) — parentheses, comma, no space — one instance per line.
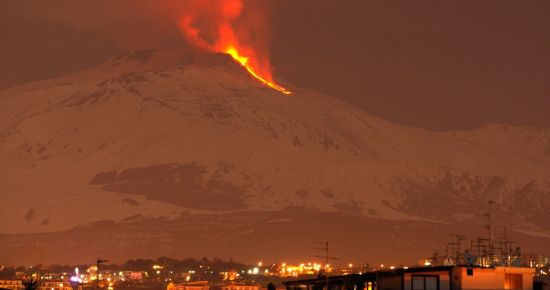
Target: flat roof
(384,272)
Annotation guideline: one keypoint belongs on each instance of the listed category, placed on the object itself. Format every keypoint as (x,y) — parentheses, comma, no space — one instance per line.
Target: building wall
(481,279)
(389,282)
(490,278)
(527,275)
(444,279)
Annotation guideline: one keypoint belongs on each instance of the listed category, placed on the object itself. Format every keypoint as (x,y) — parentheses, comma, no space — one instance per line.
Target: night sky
(433,64)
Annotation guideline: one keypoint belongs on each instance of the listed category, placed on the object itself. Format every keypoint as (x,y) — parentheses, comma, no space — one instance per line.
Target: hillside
(184,149)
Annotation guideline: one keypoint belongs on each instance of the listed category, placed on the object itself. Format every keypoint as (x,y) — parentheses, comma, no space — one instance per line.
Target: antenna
(506,247)
(99,262)
(491,228)
(457,243)
(435,257)
(459,239)
(324,246)
(481,251)
(451,258)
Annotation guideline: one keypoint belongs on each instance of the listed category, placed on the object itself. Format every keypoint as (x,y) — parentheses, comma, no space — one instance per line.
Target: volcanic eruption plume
(231,27)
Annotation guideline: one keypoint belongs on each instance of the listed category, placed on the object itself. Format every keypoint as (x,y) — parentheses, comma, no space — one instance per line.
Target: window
(424,282)
(369,286)
(417,283)
(513,281)
(430,283)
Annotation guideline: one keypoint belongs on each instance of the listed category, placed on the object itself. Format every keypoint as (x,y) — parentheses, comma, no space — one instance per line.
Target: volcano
(182,153)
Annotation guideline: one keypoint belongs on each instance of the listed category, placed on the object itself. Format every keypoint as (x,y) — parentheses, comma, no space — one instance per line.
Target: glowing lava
(244,62)
(231,33)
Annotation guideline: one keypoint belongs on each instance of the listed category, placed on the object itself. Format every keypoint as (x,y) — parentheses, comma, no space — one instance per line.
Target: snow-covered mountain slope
(167,134)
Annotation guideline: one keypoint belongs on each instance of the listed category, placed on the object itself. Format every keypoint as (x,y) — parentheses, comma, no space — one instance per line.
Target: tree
(31,284)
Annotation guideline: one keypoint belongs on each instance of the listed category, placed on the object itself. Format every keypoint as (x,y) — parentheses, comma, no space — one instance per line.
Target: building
(234,286)
(44,285)
(11,284)
(199,285)
(55,285)
(425,278)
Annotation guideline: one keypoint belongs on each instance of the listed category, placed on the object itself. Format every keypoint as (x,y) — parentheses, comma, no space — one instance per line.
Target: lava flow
(244,62)
(231,35)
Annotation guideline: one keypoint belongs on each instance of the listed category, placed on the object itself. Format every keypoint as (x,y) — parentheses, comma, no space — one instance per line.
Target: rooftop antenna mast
(451,259)
(458,250)
(507,244)
(507,247)
(324,246)
(435,257)
(99,262)
(482,252)
(491,228)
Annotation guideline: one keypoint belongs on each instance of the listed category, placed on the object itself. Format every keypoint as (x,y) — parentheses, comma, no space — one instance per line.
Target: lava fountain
(227,29)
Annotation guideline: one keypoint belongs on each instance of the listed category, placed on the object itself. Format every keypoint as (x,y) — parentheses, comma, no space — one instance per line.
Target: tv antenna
(491,228)
(324,246)
(99,262)
(435,257)
(457,243)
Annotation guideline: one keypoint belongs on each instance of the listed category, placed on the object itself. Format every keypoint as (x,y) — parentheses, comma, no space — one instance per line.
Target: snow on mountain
(530,141)
(177,135)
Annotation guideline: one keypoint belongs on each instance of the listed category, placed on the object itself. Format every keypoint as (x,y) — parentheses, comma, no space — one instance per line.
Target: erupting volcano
(230,34)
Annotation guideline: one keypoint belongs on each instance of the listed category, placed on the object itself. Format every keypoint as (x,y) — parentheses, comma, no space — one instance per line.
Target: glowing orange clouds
(227,31)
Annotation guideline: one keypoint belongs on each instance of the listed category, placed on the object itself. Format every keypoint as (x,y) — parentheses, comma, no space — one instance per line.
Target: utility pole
(325,248)
(99,262)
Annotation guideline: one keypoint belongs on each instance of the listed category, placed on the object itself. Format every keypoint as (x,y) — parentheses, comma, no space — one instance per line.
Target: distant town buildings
(55,285)
(468,272)
(234,286)
(11,284)
(199,285)
(205,285)
(43,285)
